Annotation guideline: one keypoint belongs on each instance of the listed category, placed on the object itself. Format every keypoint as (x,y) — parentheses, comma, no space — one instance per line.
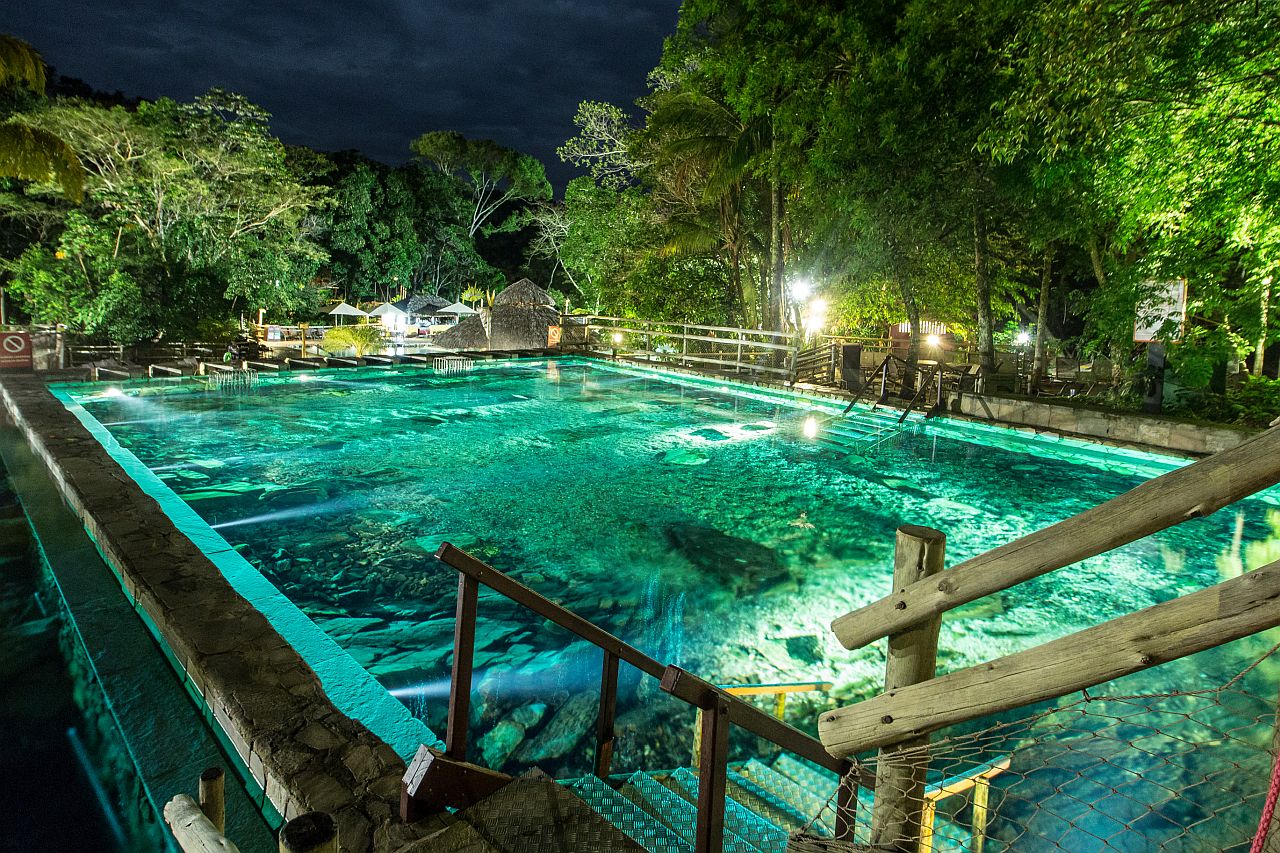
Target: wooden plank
(713,762)
(434,782)
(213,797)
(464,647)
(1191,492)
(1164,632)
(898,812)
(608,713)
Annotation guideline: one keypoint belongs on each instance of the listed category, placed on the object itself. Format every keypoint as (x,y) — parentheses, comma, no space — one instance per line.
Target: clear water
(692,521)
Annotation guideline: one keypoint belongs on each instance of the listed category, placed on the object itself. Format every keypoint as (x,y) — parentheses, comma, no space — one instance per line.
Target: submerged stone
(710,434)
(744,564)
(681,456)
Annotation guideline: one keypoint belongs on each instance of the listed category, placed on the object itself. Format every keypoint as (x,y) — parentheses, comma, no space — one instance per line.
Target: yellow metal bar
(981,795)
(926,825)
(780,706)
(773,689)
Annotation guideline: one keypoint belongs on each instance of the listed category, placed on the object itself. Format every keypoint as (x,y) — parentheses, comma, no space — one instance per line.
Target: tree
(190,209)
(494,175)
(26,152)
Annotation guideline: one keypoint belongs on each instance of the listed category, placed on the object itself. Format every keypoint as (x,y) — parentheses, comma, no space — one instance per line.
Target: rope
(1268,808)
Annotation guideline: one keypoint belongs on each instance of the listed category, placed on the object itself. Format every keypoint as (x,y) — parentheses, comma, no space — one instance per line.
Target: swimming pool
(695,519)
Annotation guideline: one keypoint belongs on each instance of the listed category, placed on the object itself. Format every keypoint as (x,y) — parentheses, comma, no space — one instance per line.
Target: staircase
(653,812)
(859,434)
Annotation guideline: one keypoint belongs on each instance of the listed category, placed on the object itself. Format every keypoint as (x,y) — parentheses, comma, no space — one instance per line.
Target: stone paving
(304,753)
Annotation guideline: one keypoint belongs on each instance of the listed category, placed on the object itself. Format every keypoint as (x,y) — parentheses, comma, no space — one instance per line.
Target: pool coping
(300,747)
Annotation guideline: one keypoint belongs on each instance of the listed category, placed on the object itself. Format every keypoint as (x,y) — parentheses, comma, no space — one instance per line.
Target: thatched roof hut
(524,294)
(518,320)
(469,334)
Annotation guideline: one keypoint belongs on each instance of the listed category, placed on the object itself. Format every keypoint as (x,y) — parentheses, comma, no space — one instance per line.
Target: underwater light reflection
(305,511)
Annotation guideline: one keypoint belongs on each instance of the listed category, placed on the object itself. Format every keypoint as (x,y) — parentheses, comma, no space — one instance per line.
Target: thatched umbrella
(469,334)
(524,294)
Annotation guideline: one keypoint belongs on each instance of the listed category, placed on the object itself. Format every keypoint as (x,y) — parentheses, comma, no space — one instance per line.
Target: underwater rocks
(745,565)
(575,719)
(681,456)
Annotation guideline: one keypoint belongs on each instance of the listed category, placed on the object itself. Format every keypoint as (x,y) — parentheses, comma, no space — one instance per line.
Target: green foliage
(361,338)
(20,64)
(189,210)
(493,175)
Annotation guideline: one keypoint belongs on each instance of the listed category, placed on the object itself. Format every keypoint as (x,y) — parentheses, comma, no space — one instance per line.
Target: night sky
(369,76)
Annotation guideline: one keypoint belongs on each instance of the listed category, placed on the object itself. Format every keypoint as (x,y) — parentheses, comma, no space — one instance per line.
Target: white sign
(1167,301)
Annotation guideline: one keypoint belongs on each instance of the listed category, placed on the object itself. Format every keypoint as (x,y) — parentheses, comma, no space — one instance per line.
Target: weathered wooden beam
(1164,632)
(913,658)
(1196,490)
(192,830)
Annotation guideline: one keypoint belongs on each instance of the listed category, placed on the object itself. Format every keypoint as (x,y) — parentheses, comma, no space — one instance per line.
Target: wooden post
(212,801)
(900,769)
(847,808)
(608,711)
(313,832)
(464,642)
(713,763)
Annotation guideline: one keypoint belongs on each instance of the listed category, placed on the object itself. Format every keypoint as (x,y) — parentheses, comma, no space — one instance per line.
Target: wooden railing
(726,348)
(719,708)
(916,703)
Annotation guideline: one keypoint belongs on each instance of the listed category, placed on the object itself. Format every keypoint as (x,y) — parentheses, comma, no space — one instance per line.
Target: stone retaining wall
(1140,430)
(304,753)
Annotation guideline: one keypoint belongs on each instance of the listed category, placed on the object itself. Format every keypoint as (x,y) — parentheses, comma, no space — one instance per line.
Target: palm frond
(37,155)
(21,63)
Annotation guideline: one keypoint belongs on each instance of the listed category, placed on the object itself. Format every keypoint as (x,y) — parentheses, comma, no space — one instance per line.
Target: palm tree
(27,152)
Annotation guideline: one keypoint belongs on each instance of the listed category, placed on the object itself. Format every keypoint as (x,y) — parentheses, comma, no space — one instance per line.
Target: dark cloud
(371,75)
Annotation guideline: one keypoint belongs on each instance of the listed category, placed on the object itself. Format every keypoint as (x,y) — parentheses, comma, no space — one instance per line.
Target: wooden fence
(916,703)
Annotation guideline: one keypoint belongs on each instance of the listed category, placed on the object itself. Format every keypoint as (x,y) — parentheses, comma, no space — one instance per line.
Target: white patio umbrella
(344,310)
(457,308)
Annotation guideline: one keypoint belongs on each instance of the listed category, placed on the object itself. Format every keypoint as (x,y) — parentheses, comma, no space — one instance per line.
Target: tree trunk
(1039,364)
(912,307)
(1259,356)
(982,286)
(777,278)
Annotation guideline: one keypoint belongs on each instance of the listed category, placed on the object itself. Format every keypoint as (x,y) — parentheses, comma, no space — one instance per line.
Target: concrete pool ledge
(272,706)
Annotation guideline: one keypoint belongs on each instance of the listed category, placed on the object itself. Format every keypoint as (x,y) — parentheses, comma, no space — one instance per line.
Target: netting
(1182,771)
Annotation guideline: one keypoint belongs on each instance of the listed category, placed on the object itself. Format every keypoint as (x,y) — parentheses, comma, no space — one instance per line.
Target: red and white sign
(15,351)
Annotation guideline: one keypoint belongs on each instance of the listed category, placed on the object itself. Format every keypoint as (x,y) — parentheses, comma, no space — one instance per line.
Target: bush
(1256,401)
(361,338)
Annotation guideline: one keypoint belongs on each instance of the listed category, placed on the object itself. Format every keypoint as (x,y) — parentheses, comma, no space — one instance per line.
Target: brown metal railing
(719,708)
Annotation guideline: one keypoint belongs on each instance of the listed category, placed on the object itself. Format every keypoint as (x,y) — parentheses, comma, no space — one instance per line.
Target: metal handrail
(719,708)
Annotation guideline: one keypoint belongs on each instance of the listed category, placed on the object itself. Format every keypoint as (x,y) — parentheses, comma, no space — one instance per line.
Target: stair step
(757,831)
(461,837)
(645,829)
(811,777)
(674,810)
(535,815)
(743,790)
(807,804)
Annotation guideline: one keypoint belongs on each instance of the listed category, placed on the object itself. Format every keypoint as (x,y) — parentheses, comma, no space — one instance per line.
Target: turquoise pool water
(692,519)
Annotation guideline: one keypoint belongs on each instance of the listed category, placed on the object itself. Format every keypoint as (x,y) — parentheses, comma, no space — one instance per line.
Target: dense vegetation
(994,165)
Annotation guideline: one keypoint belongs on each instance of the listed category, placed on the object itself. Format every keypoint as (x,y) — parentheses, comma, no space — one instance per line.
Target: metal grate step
(540,816)
(675,811)
(645,829)
(760,833)
(811,777)
(788,791)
